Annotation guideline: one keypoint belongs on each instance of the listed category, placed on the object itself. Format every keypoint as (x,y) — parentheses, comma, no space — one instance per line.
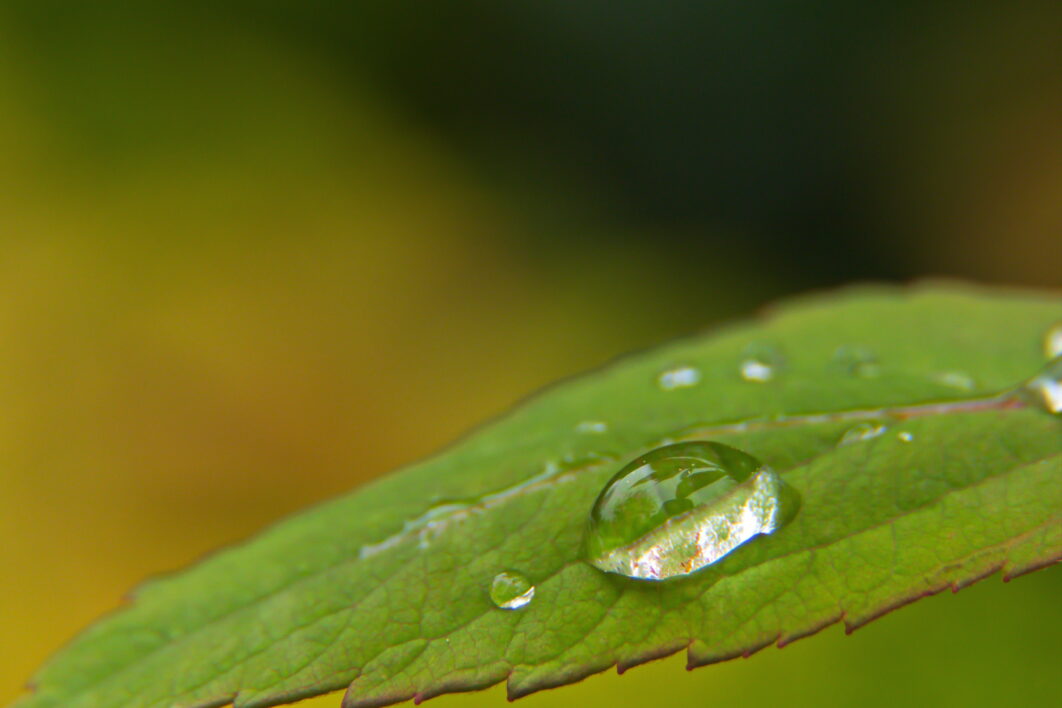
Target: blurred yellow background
(252,255)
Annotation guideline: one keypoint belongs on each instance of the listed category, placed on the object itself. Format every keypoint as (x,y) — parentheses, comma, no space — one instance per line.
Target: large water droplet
(682,507)
(678,377)
(1053,341)
(760,363)
(1045,389)
(860,432)
(510,590)
(857,361)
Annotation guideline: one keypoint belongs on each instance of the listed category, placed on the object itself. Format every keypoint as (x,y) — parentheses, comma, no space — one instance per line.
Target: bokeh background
(253,254)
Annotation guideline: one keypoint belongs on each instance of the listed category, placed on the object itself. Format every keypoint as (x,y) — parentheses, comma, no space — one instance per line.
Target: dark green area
(825,138)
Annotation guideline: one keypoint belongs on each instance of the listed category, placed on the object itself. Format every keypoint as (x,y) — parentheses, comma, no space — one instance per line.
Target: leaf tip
(1016,571)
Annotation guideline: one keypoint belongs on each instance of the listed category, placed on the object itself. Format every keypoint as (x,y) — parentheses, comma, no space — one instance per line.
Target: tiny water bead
(860,432)
(682,507)
(592,426)
(753,370)
(1045,389)
(423,528)
(859,362)
(1053,341)
(955,379)
(904,436)
(678,377)
(511,590)
(760,363)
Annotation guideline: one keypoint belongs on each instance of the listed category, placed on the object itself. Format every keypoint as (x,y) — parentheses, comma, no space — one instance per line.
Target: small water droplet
(860,432)
(682,507)
(592,426)
(904,436)
(425,528)
(752,370)
(511,590)
(857,361)
(760,363)
(955,379)
(1053,341)
(1045,389)
(678,377)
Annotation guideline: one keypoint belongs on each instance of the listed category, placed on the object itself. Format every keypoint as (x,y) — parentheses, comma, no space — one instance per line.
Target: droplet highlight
(1053,341)
(678,377)
(955,379)
(752,370)
(904,437)
(856,361)
(682,507)
(592,426)
(1045,389)
(760,364)
(424,528)
(511,590)
(860,432)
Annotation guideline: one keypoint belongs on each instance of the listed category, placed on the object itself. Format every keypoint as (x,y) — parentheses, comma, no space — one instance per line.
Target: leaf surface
(386,590)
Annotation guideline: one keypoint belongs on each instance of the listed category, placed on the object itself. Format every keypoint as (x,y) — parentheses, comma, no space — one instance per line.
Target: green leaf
(387,590)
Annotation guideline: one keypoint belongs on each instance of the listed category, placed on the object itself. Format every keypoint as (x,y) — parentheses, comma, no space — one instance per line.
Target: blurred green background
(253,254)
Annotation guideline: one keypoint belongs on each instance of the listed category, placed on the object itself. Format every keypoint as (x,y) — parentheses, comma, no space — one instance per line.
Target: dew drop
(857,361)
(438,517)
(511,590)
(682,507)
(678,377)
(955,379)
(1045,389)
(760,363)
(592,426)
(904,436)
(752,370)
(1053,341)
(860,432)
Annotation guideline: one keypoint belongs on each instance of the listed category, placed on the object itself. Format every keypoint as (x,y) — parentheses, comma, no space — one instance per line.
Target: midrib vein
(999,401)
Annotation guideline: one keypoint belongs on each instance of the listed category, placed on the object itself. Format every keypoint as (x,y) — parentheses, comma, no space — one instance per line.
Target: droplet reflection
(678,377)
(1053,341)
(860,432)
(955,379)
(1045,389)
(592,426)
(761,363)
(511,590)
(682,507)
